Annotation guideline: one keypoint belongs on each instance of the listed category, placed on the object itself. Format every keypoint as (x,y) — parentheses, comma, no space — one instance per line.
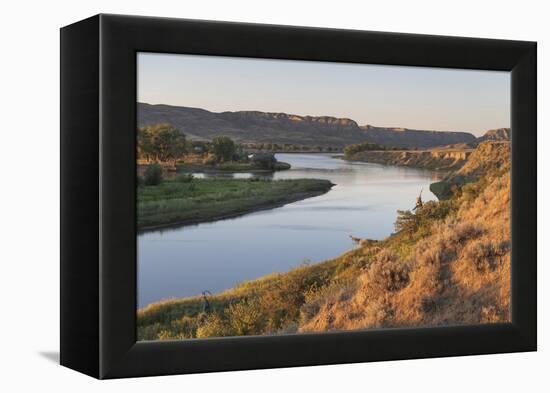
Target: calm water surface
(215,256)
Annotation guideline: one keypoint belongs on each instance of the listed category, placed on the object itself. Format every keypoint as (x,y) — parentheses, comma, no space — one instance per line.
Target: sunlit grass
(183,200)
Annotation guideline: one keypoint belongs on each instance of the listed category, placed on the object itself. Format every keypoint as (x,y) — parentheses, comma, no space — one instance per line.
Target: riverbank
(441,160)
(231,167)
(448,264)
(187,201)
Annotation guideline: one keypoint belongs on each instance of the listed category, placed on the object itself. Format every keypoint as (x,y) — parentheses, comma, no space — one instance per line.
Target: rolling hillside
(261,127)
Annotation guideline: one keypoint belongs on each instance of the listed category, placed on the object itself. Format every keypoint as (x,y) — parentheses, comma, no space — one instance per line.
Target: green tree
(223,148)
(168,143)
(161,143)
(265,160)
(144,144)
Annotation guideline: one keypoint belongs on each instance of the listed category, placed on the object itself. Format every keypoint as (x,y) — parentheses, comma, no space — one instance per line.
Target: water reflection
(184,261)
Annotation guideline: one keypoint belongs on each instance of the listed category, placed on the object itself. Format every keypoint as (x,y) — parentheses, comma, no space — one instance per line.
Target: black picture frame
(98,215)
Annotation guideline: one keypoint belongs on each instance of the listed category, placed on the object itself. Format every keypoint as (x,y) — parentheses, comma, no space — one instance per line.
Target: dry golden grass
(458,275)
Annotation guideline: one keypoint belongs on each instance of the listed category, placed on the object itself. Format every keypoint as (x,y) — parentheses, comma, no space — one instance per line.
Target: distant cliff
(428,159)
(449,157)
(266,127)
(404,137)
(254,127)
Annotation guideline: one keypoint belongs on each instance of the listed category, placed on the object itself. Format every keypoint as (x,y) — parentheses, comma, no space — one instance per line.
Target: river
(185,261)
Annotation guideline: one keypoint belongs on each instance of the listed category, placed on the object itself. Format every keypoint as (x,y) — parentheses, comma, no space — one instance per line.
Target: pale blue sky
(412,97)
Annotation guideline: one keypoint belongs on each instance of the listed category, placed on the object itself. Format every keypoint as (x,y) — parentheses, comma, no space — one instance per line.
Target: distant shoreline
(431,159)
(189,168)
(200,168)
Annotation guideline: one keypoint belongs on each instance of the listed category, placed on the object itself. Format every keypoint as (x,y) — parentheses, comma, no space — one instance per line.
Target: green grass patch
(182,200)
(231,166)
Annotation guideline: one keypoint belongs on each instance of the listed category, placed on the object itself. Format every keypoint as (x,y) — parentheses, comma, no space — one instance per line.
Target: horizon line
(334,117)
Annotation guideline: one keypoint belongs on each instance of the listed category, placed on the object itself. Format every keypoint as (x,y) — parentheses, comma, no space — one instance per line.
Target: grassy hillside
(448,264)
(185,200)
(452,271)
(488,157)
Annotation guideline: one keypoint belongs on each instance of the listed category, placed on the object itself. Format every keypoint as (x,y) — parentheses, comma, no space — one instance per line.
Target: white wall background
(29,194)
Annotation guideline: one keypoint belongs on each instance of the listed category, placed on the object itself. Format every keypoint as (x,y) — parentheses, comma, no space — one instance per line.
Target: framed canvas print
(239,196)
